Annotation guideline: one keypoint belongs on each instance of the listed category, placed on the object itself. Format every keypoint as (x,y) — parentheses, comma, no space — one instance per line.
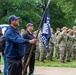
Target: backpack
(2,43)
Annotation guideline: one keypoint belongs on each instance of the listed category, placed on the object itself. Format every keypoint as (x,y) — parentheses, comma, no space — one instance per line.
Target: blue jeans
(5,65)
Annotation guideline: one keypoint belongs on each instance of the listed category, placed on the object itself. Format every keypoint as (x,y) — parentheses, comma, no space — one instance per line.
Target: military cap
(64,28)
(57,29)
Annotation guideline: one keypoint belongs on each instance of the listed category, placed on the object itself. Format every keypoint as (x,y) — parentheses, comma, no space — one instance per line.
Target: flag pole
(30,54)
(42,18)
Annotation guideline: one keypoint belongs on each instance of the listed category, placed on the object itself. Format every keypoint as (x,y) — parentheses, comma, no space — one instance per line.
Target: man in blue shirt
(15,47)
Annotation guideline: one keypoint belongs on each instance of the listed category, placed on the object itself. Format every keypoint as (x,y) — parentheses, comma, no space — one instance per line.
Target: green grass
(1,62)
(56,63)
(1,74)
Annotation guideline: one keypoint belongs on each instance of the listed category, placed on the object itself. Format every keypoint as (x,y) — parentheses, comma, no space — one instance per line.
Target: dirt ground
(52,71)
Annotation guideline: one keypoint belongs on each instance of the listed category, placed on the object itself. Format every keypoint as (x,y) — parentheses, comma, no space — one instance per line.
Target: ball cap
(58,29)
(29,24)
(64,28)
(12,18)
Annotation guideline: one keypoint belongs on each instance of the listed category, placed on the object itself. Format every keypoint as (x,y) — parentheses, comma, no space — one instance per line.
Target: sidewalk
(53,71)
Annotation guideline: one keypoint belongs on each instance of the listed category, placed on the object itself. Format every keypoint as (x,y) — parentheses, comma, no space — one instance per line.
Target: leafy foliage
(62,12)
(68,7)
(57,16)
(25,10)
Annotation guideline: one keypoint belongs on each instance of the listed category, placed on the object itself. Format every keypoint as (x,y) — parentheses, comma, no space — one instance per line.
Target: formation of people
(62,43)
(17,45)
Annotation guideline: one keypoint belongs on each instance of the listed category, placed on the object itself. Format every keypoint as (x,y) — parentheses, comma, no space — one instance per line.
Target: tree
(57,16)
(27,11)
(62,12)
(68,7)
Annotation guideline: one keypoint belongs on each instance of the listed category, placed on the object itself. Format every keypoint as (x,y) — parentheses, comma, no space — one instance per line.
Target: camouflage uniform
(41,50)
(69,47)
(51,47)
(37,54)
(74,48)
(62,46)
(57,34)
(57,48)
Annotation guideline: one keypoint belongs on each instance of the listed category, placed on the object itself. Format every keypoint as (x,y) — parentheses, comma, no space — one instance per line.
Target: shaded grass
(56,63)
(1,74)
(1,62)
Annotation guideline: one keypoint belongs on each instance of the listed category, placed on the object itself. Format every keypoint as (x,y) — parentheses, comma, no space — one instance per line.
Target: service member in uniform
(42,49)
(69,45)
(62,44)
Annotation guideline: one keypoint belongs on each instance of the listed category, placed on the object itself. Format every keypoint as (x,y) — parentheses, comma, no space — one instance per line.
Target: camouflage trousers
(68,53)
(62,54)
(50,54)
(37,53)
(74,53)
(42,53)
(57,52)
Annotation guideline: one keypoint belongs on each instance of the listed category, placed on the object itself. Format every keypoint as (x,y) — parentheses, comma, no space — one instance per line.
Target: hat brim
(17,18)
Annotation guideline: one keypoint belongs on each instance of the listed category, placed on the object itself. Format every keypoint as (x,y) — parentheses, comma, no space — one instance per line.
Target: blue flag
(45,30)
